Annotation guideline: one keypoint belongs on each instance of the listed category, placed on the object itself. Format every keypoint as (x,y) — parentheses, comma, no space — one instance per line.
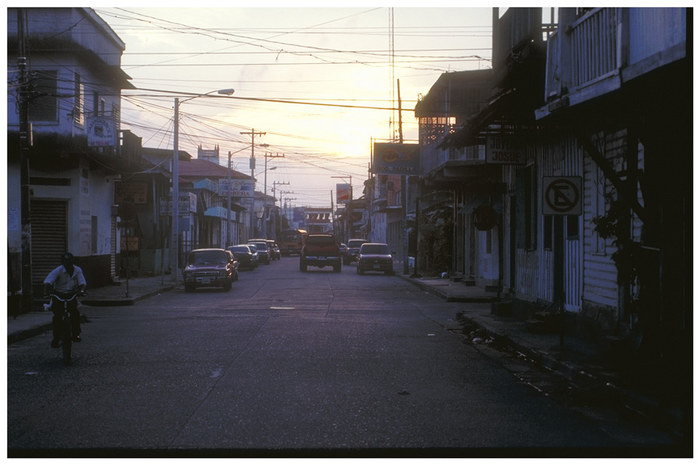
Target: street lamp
(175,242)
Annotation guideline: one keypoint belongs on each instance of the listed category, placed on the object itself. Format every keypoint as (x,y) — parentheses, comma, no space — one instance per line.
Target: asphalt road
(286,364)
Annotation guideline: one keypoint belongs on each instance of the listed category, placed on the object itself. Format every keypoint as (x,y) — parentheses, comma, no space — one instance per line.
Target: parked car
(263,247)
(352,251)
(256,256)
(210,268)
(343,249)
(245,256)
(320,250)
(275,253)
(375,256)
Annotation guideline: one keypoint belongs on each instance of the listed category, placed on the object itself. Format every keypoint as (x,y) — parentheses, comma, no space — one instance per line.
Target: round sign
(485,217)
(562,196)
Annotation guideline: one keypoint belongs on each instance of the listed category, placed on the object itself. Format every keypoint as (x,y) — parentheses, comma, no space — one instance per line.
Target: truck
(290,241)
(320,250)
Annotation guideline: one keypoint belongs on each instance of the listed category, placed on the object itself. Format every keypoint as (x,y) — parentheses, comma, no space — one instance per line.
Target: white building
(73,81)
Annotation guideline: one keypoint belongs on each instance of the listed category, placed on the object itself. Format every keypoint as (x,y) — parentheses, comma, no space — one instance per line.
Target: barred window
(43,106)
(79,100)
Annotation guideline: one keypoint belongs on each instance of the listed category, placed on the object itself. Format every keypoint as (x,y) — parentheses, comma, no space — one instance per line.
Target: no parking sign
(562,195)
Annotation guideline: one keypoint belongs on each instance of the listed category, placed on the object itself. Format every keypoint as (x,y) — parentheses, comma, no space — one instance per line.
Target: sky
(321,83)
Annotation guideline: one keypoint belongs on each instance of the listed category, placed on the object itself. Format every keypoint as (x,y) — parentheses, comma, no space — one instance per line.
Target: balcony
(516,29)
(445,160)
(598,52)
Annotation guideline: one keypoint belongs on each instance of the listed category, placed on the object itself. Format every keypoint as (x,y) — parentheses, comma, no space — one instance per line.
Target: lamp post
(174,241)
(228,210)
(267,216)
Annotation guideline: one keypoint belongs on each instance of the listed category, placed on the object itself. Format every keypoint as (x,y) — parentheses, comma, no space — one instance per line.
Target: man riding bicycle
(65,279)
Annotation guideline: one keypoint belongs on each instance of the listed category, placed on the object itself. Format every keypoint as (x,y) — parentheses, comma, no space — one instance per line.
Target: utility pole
(277,183)
(269,155)
(404,194)
(252,133)
(24,164)
(175,227)
(347,220)
(274,194)
(267,220)
(289,216)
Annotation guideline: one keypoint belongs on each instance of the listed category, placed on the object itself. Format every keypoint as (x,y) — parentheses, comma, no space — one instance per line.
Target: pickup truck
(320,250)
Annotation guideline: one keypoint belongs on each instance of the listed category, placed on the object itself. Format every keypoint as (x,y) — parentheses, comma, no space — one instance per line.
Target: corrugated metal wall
(561,157)
(49,237)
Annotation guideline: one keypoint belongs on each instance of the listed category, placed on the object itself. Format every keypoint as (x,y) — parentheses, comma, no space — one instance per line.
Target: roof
(460,92)
(197,168)
(154,154)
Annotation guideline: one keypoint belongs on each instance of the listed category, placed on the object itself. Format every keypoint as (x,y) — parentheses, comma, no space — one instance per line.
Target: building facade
(589,131)
(64,86)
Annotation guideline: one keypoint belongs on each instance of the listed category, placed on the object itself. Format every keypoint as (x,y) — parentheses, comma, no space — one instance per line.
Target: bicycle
(66,323)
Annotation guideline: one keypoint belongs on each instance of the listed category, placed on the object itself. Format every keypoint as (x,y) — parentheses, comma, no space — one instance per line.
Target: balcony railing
(516,27)
(594,45)
(433,158)
(604,41)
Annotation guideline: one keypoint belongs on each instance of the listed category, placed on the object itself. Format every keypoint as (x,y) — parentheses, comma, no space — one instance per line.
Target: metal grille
(48,240)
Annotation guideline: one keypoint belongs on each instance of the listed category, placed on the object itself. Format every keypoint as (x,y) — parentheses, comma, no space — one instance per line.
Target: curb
(113,302)
(27,333)
(635,404)
(447,296)
(105,302)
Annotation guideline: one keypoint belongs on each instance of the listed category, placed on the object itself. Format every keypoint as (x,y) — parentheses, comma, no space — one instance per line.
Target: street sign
(562,195)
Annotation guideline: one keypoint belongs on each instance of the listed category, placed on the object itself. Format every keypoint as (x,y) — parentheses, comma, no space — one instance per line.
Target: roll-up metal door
(49,236)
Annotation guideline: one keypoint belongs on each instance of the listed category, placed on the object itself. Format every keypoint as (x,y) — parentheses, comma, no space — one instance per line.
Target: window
(526,208)
(44,105)
(94,234)
(78,99)
(95,104)
(572,232)
(548,233)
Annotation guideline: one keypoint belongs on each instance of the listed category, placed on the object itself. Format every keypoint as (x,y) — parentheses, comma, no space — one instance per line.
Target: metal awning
(221,212)
(468,133)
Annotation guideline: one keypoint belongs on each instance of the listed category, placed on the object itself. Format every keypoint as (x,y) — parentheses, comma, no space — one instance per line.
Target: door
(49,237)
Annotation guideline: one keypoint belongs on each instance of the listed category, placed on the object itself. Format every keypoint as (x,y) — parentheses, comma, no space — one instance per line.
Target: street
(285,364)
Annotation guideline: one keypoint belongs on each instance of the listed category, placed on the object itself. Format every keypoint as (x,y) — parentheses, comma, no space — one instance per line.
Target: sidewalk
(124,293)
(584,364)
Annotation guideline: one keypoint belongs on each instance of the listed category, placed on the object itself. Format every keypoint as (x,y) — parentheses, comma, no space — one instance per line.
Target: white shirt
(64,282)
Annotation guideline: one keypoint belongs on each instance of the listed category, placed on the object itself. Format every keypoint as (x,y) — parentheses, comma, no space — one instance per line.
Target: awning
(221,212)
(469,132)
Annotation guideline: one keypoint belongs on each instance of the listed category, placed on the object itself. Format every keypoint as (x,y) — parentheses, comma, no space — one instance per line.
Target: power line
(258,99)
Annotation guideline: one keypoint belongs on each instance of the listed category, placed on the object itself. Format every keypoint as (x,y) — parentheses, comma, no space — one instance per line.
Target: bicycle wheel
(67,342)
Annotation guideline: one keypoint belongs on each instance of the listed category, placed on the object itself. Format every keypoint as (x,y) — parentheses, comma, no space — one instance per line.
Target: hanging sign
(342,193)
(393,158)
(100,132)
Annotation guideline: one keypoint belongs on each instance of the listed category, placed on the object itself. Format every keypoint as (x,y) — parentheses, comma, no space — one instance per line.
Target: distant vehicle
(353,249)
(275,253)
(264,255)
(290,241)
(343,249)
(210,268)
(375,256)
(245,255)
(320,250)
